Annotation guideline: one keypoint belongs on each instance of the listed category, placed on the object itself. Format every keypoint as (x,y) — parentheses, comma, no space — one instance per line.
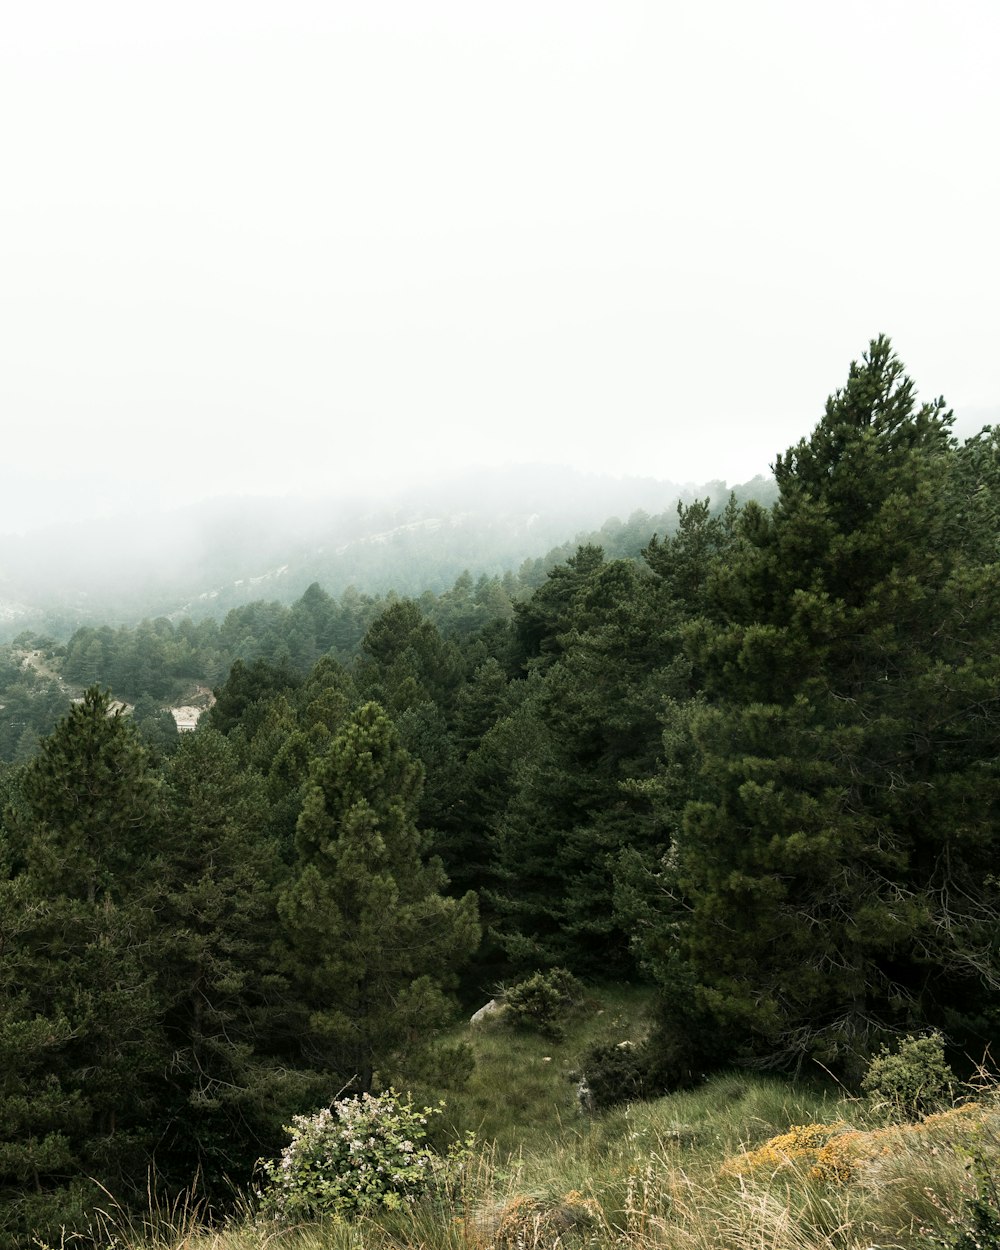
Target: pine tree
(406,662)
(371,943)
(92,803)
(588,727)
(225,1007)
(541,620)
(41,1113)
(80,1026)
(832,865)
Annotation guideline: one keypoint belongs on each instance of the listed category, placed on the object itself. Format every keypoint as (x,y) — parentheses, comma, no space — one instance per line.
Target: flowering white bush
(365,1154)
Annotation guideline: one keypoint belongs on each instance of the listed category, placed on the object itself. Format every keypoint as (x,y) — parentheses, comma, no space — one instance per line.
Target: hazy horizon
(30,505)
(306,249)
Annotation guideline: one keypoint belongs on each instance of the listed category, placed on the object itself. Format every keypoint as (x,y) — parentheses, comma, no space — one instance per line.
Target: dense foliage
(359,1156)
(755,765)
(832,795)
(912,1079)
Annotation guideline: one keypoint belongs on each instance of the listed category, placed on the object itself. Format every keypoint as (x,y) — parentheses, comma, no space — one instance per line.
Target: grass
(708,1169)
(522,1092)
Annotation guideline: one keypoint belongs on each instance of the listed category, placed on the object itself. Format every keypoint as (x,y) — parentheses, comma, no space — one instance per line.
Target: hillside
(746,1161)
(203,560)
(747,767)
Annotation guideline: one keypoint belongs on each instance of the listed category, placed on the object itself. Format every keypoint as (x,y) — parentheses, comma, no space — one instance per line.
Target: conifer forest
(744,755)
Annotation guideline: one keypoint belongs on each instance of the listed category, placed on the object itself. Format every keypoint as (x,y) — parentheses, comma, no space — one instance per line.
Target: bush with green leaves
(360,1156)
(543,1001)
(913,1079)
(615,1072)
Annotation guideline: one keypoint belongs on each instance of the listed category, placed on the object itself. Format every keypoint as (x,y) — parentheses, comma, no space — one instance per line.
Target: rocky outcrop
(487,1014)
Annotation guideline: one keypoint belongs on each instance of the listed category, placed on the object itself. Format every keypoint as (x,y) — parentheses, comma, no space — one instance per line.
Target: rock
(487,1013)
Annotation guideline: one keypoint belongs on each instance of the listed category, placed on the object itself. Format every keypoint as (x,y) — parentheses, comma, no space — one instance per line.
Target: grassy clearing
(522,1092)
(721,1167)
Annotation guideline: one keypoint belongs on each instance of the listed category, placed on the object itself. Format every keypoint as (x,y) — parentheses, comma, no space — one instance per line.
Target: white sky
(251,246)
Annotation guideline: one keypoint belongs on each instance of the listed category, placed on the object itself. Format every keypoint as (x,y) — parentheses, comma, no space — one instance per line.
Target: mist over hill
(205,558)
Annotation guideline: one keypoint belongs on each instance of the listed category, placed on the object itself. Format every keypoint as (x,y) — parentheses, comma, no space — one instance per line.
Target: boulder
(487,1013)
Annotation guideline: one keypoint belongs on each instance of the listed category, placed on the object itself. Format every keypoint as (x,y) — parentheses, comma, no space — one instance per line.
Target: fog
(203,559)
(319,249)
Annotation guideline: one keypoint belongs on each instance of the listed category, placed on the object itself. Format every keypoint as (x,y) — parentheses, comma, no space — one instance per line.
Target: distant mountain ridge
(203,559)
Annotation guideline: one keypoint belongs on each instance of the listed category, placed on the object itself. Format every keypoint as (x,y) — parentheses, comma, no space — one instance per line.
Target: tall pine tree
(832,874)
(80,1028)
(228,1087)
(370,942)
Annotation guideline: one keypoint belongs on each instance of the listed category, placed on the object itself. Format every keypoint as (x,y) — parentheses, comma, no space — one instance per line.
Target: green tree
(573,805)
(225,1008)
(831,876)
(80,1024)
(42,1115)
(156,724)
(371,942)
(541,620)
(242,698)
(406,661)
(92,805)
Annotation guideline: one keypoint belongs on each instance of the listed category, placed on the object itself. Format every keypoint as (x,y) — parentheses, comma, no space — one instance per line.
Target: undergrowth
(744,1162)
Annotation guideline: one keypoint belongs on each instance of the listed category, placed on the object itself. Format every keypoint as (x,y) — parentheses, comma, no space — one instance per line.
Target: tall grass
(682,1172)
(522,1091)
(636,1191)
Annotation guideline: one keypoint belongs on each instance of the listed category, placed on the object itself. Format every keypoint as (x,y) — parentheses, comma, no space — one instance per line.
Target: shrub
(912,1080)
(801,1145)
(615,1072)
(365,1154)
(836,1154)
(543,1001)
